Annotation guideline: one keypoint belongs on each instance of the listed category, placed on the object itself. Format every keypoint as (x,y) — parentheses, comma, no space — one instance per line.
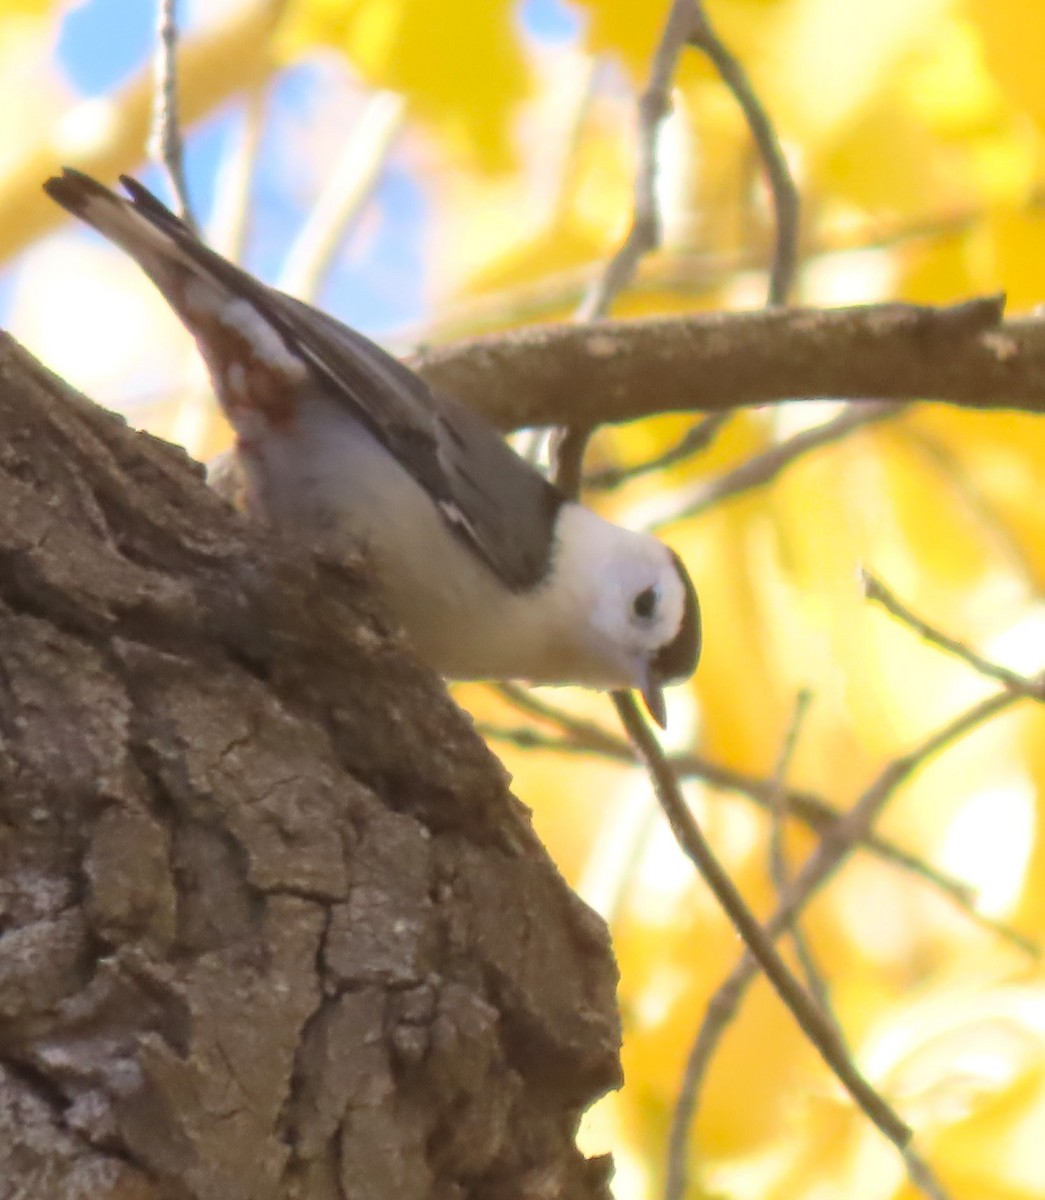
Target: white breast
(328,477)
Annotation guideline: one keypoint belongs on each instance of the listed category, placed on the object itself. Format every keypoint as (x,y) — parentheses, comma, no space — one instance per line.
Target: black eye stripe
(645,603)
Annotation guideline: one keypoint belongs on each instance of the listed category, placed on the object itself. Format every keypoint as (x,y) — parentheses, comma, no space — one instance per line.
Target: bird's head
(643,618)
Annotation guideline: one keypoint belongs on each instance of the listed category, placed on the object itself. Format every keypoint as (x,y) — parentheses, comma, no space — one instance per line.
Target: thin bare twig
(778,861)
(970,494)
(345,195)
(786,205)
(685,271)
(227,221)
(843,835)
(762,469)
(645,231)
(165,140)
(878,593)
(571,442)
(586,737)
(694,441)
(801,1006)
(836,844)
(654,105)
(226,232)
(687,22)
(560,161)
(567,448)
(778,808)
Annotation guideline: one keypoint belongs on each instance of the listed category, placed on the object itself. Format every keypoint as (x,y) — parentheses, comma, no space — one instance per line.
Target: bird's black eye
(645,603)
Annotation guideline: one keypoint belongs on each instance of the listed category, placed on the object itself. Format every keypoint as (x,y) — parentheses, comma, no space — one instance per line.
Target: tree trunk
(271,924)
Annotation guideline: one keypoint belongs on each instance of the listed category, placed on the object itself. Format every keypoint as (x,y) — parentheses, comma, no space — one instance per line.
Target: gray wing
(490,497)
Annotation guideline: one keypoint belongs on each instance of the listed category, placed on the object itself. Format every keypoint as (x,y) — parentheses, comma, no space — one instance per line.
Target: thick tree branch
(965,354)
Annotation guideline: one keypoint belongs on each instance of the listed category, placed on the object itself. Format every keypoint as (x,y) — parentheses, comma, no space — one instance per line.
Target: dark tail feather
(73,190)
(147,204)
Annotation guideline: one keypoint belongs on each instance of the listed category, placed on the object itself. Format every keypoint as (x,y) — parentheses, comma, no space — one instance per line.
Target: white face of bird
(642,617)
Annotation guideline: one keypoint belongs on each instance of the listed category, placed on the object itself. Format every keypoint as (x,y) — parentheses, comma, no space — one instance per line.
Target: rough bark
(271,923)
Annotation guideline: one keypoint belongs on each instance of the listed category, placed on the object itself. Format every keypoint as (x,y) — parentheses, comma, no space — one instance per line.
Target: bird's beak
(653,694)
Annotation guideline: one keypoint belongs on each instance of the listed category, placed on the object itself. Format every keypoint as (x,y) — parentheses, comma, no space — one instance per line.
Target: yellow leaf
(887,159)
(832,57)
(939,270)
(989,467)
(1017,243)
(668,986)
(628,30)
(108,137)
(461,65)
(26,8)
(1012,34)
(1031,911)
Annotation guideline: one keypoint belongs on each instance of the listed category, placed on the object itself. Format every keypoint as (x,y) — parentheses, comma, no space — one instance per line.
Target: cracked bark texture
(271,923)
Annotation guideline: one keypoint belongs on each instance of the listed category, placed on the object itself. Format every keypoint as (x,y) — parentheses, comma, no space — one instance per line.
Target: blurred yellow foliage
(1011,34)
(24,8)
(443,56)
(915,132)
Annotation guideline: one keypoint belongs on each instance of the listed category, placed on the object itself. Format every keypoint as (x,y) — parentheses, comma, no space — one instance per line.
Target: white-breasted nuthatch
(491,571)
